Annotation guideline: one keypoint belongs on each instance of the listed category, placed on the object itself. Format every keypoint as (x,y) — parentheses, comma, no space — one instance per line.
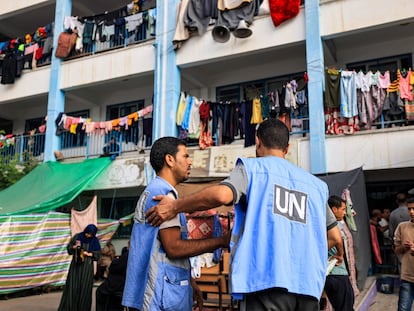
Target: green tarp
(49,186)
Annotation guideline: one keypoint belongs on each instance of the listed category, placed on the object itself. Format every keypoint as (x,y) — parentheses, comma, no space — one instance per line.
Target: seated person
(109,293)
(111,147)
(107,255)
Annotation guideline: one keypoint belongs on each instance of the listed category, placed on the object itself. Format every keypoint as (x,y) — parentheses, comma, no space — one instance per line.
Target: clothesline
(69,123)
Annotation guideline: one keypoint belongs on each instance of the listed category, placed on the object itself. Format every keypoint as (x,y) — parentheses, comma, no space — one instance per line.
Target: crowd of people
(287,270)
(394,233)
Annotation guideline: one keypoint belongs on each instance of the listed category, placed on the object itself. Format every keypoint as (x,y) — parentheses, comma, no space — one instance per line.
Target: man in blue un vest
(279,238)
(158,272)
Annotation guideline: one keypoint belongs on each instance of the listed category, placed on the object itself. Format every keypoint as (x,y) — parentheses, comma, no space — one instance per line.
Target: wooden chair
(213,283)
(225,270)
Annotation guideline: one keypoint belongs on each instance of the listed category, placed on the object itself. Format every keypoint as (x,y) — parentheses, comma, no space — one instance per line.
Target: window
(32,124)
(228,93)
(79,114)
(124,109)
(70,140)
(391,63)
(253,90)
(140,132)
(116,208)
(6,126)
(299,118)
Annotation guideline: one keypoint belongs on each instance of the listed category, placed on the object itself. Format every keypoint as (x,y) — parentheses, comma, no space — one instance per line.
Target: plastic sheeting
(49,186)
(354,181)
(33,249)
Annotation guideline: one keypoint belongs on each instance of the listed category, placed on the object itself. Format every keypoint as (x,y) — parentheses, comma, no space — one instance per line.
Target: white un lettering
(291,204)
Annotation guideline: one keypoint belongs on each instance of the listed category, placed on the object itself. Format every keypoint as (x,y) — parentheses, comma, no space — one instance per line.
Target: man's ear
(169,160)
(258,141)
(287,149)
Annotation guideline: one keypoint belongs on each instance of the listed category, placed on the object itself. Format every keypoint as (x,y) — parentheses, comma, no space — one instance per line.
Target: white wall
(371,150)
(7,7)
(116,64)
(338,17)
(31,83)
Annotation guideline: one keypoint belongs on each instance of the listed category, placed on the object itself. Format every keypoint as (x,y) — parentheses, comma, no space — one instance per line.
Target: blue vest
(280,239)
(153,281)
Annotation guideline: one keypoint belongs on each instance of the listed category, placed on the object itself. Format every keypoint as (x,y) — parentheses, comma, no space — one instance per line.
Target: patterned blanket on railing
(33,249)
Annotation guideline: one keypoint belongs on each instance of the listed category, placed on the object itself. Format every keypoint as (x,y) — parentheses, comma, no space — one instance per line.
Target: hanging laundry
(194,123)
(256,112)
(348,105)
(182,104)
(80,219)
(332,88)
(404,86)
(283,10)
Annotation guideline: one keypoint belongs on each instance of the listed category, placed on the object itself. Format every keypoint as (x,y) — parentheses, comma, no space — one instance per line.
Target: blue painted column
(56,99)
(315,68)
(167,76)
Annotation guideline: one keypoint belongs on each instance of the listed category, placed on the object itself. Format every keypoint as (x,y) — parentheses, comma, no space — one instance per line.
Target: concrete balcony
(379,149)
(8,8)
(337,18)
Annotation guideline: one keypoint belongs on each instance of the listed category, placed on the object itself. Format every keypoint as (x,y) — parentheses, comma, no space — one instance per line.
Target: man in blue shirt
(159,273)
(279,237)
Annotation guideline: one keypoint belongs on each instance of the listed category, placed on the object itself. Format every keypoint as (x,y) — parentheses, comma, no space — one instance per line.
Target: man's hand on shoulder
(161,212)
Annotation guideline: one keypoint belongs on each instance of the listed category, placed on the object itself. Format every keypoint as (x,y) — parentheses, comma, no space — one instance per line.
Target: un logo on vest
(291,204)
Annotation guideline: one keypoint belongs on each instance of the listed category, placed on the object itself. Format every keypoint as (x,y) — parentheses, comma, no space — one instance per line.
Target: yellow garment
(115,122)
(73,127)
(394,84)
(412,78)
(332,71)
(135,9)
(134,116)
(256,112)
(182,104)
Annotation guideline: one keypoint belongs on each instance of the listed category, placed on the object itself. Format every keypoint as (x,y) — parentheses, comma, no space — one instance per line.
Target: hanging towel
(350,212)
(80,219)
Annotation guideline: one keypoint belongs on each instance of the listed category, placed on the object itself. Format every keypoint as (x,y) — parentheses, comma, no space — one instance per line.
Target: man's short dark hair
(162,147)
(401,198)
(410,199)
(274,134)
(335,201)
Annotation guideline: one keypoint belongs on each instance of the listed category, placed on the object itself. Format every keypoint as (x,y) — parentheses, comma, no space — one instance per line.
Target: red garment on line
(282,10)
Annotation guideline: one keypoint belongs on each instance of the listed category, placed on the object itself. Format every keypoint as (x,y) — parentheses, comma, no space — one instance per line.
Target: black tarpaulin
(354,181)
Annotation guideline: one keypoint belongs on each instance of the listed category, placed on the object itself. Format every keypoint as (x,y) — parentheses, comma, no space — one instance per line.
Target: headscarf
(91,228)
(93,242)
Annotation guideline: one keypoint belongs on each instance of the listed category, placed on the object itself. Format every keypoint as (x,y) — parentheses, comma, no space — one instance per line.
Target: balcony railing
(120,39)
(97,144)
(22,148)
(124,35)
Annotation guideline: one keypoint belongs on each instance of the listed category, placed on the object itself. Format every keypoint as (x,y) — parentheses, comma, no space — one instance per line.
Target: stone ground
(369,300)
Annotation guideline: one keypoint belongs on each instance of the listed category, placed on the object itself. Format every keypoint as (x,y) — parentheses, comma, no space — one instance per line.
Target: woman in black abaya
(85,249)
